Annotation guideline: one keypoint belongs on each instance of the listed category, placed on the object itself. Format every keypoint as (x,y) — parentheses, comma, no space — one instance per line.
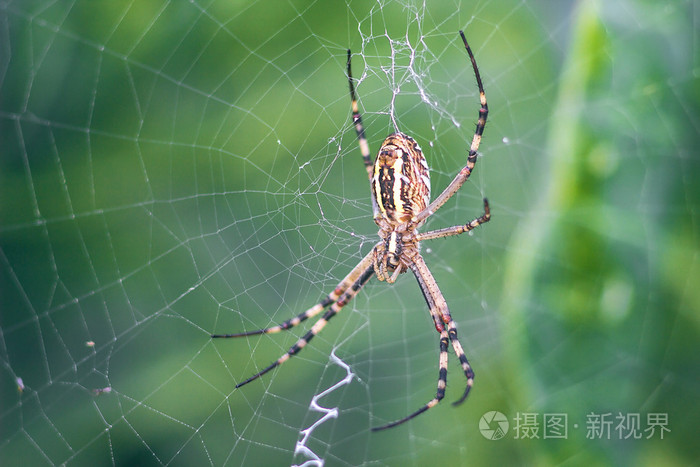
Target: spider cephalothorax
(400,187)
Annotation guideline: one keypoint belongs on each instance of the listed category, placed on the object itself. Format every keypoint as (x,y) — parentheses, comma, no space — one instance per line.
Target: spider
(400,189)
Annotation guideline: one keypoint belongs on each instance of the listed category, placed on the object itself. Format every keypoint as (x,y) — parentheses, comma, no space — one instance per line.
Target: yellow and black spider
(400,187)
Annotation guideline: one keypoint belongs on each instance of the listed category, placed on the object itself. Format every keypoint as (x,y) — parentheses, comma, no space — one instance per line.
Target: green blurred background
(170,169)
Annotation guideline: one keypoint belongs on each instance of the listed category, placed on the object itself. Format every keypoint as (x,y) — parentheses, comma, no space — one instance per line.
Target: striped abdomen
(401,179)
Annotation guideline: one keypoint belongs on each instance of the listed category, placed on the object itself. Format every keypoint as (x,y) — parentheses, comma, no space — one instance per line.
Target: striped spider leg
(341,295)
(400,190)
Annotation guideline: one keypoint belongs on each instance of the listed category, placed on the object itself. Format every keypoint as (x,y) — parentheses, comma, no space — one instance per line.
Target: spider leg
(466,171)
(430,288)
(440,314)
(457,229)
(442,383)
(314,310)
(361,138)
(466,367)
(357,119)
(310,313)
(399,269)
(343,300)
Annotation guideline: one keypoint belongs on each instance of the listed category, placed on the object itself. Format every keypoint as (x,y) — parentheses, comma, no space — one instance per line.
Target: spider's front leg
(343,293)
(314,310)
(442,384)
(441,316)
(318,326)
(448,333)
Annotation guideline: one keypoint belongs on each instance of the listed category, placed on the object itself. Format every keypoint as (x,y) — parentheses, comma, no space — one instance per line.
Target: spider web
(178,168)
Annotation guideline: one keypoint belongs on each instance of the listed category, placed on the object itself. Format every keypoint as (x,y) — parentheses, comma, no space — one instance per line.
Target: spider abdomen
(401,179)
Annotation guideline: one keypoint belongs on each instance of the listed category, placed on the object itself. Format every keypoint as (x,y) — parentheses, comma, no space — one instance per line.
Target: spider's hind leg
(357,120)
(457,229)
